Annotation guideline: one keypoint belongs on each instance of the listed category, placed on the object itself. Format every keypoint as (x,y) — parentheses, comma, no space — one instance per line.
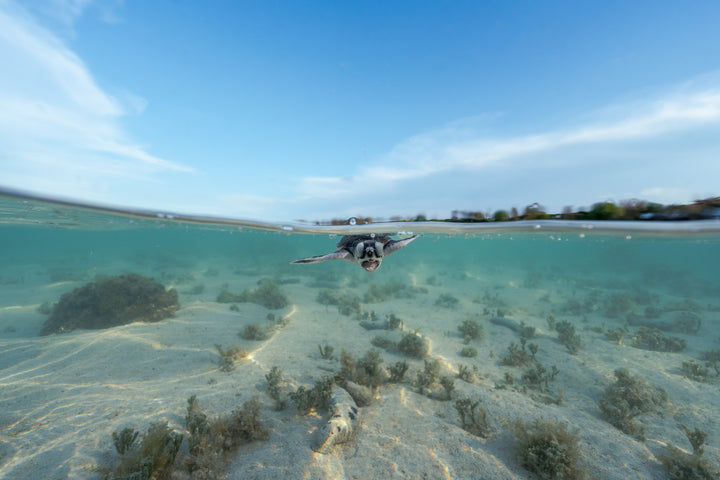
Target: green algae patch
(111,302)
(267,294)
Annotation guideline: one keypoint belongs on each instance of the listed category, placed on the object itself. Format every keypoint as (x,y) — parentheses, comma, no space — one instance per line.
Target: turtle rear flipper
(338,255)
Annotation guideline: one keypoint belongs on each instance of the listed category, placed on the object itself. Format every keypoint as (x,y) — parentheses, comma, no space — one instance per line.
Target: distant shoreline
(635,210)
(37,210)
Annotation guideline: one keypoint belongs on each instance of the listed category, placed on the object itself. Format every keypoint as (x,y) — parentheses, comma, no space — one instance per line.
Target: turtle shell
(348,242)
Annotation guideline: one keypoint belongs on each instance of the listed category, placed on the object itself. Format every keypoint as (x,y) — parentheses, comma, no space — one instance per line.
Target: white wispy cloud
(64,11)
(674,114)
(423,157)
(55,120)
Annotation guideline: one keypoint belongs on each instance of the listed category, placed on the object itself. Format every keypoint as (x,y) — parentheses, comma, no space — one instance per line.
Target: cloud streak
(53,114)
(431,154)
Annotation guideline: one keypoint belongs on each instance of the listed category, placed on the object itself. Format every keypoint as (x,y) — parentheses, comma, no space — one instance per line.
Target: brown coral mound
(111,302)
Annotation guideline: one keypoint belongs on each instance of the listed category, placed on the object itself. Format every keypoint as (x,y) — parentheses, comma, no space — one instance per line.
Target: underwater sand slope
(64,395)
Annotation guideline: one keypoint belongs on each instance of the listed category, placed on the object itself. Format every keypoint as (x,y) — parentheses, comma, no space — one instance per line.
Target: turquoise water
(64,395)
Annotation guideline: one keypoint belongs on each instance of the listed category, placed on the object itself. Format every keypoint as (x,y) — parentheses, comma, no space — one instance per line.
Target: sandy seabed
(62,396)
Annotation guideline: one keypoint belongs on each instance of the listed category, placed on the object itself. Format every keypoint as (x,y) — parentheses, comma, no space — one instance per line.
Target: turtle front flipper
(393,245)
(337,255)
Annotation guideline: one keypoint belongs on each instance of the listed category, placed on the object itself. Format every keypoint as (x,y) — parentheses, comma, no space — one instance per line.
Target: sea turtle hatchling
(367,251)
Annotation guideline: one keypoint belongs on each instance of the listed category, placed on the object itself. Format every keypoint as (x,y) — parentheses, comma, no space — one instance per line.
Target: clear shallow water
(63,395)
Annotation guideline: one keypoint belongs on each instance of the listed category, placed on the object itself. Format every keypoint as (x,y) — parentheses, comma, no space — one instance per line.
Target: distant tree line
(626,210)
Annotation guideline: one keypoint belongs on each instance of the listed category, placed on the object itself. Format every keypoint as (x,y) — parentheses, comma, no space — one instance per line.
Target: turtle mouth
(370,265)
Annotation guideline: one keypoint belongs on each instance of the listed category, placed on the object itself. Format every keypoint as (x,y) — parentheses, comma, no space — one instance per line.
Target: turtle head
(369,254)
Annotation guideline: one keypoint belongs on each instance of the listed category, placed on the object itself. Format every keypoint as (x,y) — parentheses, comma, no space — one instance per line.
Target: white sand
(62,396)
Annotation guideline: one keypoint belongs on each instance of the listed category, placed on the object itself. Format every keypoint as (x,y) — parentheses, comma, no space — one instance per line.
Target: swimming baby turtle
(367,251)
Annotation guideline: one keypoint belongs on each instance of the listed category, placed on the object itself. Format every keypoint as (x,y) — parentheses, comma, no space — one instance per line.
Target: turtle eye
(360,250)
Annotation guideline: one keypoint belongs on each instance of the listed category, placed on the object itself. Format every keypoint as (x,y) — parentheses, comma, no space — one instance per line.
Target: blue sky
(322,109)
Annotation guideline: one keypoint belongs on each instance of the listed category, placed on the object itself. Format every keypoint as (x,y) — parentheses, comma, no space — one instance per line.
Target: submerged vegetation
(468,374)
(346,304)
(472,418)
(446,300)
(516,357)
(617,334)
(413,345)
(469,352)
(681,465)
(429,375)
(627,398)
(538,377)
(305,399)
(470,329)
(397,371)
(254,331)
(208,439)
(326,351)
(656,340)
(275,382)
(697,372)
(548,449)
(391,290)
(124,440)
(267,294)
(535,380)
(152,458)
(110,302)
(568,337)
(391,322)
(707,372)
(229,356)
